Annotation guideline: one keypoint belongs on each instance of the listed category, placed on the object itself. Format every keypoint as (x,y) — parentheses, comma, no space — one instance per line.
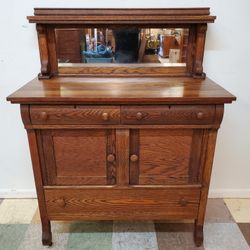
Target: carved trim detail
(201,31)
(44,53)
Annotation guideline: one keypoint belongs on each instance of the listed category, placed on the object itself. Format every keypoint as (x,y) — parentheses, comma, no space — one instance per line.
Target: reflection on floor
(227,227)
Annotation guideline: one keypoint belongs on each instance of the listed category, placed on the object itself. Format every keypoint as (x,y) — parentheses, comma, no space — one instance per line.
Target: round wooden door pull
(110,158)
(134,158)
(139,115)
(105,116)
(200,115)
(44,115)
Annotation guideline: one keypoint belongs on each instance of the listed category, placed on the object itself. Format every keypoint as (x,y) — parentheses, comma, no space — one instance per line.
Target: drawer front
(121,204)
(168,114)
(71,114)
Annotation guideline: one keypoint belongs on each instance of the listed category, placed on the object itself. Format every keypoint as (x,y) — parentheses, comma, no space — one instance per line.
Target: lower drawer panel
(122,204)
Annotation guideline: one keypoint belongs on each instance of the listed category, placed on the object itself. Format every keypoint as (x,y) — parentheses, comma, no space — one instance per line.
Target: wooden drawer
(122,204)
(168,114)
(70,114)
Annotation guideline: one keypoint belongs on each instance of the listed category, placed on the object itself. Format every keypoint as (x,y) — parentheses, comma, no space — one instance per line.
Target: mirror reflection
(165,47)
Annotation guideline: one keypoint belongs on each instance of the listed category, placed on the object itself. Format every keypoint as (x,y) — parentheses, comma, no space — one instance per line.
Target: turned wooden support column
(201,31)
(44,52)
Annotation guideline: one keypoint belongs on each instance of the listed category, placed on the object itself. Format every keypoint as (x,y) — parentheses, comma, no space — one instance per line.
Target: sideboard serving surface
(122,141)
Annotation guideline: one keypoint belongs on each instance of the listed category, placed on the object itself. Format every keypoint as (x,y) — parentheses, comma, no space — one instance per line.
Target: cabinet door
(79,157)
(165,156)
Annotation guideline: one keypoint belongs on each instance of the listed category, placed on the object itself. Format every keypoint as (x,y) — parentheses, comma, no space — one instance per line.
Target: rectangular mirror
(134,46)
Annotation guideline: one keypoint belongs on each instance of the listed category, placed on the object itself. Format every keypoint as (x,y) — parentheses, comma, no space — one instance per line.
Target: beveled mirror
(155,46)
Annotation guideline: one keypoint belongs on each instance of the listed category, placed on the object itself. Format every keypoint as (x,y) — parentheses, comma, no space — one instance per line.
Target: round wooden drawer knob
(183,202)
(139,116)
(61,202)
(200,115)
(134,158)
(105,116)
(44,116)
(110,158)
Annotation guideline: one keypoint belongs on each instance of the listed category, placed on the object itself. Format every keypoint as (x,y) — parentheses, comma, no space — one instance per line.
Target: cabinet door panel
(165,156)
(79,157)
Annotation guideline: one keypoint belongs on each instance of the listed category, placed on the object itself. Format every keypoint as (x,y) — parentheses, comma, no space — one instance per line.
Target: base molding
(213,193)
(17,193)
(229,193)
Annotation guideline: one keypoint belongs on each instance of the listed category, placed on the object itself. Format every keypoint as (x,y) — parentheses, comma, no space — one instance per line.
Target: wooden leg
(34,151)
(198,234)
(46,233)
(199,222)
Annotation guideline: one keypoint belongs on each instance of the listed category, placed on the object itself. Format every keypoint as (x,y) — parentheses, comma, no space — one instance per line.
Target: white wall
(226,61)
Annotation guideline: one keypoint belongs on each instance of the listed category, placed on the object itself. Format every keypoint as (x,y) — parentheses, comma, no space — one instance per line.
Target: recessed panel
(80,156)
(164,156)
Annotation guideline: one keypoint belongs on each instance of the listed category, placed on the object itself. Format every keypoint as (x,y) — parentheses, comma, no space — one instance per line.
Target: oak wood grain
(168,114)
(134,150)
(111,150)
(206,175)
(119,11)
(77,156)
(52,50)
(82,90)
(199,50)
(206,168)
(74,114)
(121,142)
(122,70)
(118,16)
(164,156)
(122,153)
(25,114)
(129,126)
(44,53)
(106,204)
(196,156)
(74,20)
(45,221)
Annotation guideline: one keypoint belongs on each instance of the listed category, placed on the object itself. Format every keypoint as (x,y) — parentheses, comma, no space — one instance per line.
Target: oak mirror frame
(123,42)
(118,50)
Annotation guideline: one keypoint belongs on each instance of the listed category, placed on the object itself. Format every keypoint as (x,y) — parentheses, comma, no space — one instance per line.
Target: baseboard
(229,193)
(17,193)
(213,193)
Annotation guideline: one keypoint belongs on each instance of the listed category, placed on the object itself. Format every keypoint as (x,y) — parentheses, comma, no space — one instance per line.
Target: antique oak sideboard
(117,130)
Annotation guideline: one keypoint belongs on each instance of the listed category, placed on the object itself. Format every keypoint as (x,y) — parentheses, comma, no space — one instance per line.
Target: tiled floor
(227,227)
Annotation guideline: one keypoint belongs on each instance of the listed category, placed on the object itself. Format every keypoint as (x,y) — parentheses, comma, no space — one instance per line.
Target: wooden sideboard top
(144,90)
